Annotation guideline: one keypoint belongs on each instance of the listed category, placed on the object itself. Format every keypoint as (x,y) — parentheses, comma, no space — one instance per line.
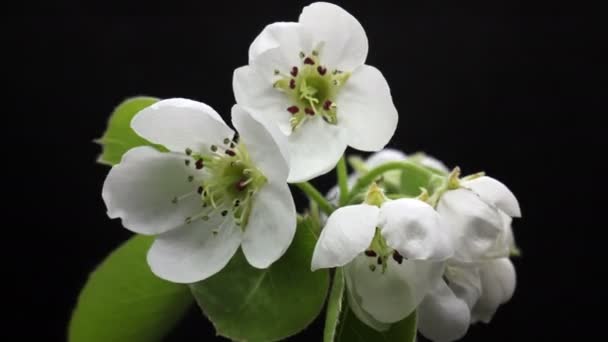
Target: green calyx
(312,89)
(231,183)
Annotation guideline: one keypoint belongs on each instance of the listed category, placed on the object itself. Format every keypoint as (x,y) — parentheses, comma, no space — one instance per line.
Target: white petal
(344,40)
(465,281)
(434,163)
(366,110)
(278,47)
(498,284)
(348,232)
(415,229)
(314,149)
(442,316)
(193,252)
(264,102)
(178,124)
(354,304)
(391,296)
(141,188)
(271,225)
(262,146)
(495,193)
(384,156)
(476,227)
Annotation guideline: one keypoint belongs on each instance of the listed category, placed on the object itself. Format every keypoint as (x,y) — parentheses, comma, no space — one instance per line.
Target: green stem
(374,173)
(342,181)
(316,196)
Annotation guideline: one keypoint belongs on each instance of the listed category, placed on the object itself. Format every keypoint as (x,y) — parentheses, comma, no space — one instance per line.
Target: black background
(509,89)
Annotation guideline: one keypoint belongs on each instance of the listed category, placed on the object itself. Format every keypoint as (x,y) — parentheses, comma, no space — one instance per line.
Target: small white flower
(468,293)
(309,79)
(479,214)
(392,255)
(206,197)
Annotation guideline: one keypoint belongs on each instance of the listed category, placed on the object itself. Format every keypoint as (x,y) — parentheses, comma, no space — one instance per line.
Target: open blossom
(468,293)
(392,255)
(208,195)
(479,214)
(309,79)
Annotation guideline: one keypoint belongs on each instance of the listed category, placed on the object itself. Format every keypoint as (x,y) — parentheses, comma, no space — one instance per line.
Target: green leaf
(124,301)
(334,306)
(411,182)
(249,304)
(119,137)
(351,329)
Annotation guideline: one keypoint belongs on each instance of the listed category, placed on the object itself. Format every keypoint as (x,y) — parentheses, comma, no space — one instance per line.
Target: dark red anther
(230,153)
(397,257)
(199,164)
(241,185)
(326,104)
(292,84)
(293,109)
(309,60)
(294,71)
(321,70)
(370,253)
(309,111)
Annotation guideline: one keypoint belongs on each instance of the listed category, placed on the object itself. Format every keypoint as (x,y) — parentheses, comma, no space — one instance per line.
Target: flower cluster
(410,234)
(444,254)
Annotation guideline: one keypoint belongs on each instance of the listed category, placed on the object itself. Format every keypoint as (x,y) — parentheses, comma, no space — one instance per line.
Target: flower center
(379,253)
(312,90)
(228,183)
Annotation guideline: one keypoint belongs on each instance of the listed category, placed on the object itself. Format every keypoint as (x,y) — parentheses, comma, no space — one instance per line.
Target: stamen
(292,84)
(190,179)
(276,72)
(199,190)
(213,148)
(242,184)
(187,162)
(302,55)
(230,153)
(372,268)
(309,111)
(188,151)
(294,71)
(176,199)
(293,109)
(226,141)
(321,70)
(379,260)
(327,104)
(224,212)
(309,60)
(199,164)
(397,257)
(370,253)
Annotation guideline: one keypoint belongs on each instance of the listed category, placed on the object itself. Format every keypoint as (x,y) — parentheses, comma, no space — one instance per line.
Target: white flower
(309,79)
(479,214)
(392,256)
(206,197)
(468,293)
